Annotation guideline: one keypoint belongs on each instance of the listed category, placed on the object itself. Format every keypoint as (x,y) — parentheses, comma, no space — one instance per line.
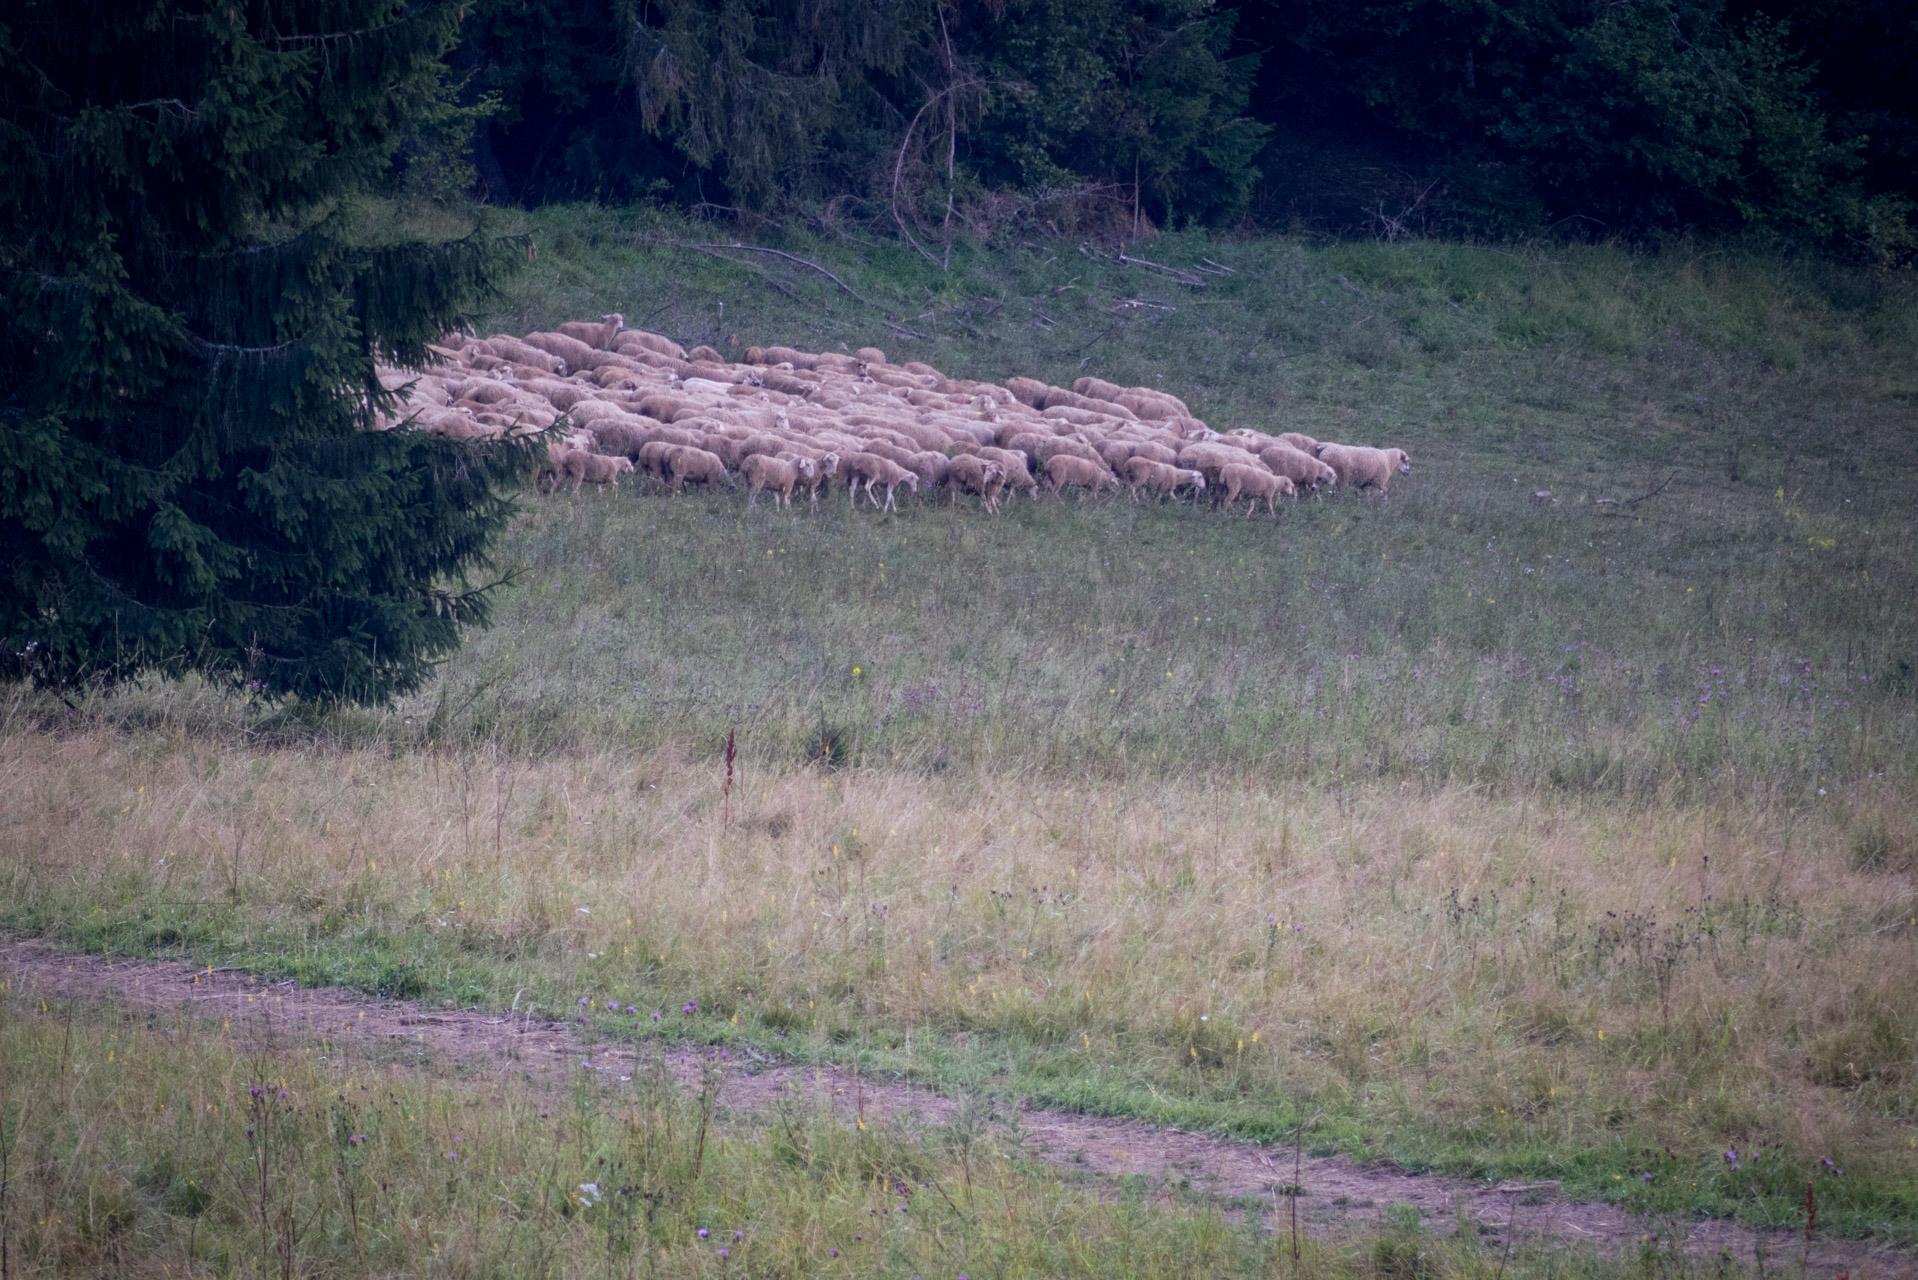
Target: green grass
(170,1154)
(1723,669)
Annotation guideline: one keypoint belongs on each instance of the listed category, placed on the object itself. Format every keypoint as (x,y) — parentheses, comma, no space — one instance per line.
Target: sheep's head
(829,465)
(911,480)
(1404,461)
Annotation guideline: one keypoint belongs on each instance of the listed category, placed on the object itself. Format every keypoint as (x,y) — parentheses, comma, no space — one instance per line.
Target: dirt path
(1339,1195)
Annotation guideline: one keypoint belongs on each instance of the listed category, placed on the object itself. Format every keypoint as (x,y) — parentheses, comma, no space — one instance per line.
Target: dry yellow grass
(1473,978)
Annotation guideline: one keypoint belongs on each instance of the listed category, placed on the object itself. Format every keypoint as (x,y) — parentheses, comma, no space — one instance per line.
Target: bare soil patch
(1338,1197)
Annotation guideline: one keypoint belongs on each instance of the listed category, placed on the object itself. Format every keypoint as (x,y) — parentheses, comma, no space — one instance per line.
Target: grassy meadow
(1552,819)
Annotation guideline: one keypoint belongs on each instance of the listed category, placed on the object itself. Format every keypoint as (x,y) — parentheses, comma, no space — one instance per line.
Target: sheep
(1302,469)
(1163,480)
(688,463)
(933,468)
(1063,469)
(1028,391)
(1098,389)
(583,466)
(1156,452)
(654,458)
(1256,483)
(626,439)
(1017,476)
(764,472)
(549,469)
(827,466)
(577,355)
(1303,443)
(655,343)
(870,355)
(871,469)
(1249,440)
(1360,467)
(1050,449)
(599,335)
(511,349)
(1214,458)
(970,474)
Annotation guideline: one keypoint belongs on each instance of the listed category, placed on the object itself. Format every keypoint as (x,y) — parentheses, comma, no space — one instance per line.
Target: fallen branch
(1632,502)
(1183,276)
(774,281)
(792,257)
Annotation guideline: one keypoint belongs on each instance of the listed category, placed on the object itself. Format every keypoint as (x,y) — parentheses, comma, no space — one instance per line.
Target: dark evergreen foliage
(1620,118)
(192,293)
(764,104)
(1504,116)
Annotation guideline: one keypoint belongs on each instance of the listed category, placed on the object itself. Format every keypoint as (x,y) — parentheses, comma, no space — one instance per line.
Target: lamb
(687,463)
(1163,480)
(969,473)
(599,336)
(549,469)
(1302,469)
(1256,483)
(1359,467)
(1063,469)
(584,467)
(1050,449)
(764,472)
(826,466)
(1214,458)
(871,469)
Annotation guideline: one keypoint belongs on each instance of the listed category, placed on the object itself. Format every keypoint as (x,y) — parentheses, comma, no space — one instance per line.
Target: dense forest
(1596,118)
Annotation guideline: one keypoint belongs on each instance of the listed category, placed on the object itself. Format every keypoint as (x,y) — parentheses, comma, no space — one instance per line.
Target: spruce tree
(195,283)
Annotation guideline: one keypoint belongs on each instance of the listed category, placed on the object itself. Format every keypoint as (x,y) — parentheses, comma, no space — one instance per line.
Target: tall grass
(127,1152)
(1527,986)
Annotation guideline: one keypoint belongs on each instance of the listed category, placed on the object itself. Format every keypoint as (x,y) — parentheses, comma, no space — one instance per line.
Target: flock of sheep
(785,420)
